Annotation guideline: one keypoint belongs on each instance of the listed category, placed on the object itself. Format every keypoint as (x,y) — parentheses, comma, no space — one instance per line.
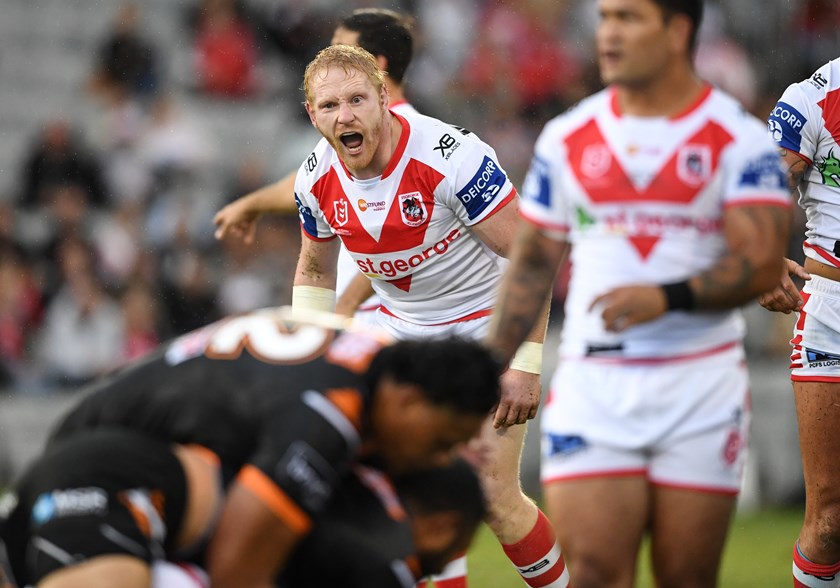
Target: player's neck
(390,138)
(395,92)
(667,95)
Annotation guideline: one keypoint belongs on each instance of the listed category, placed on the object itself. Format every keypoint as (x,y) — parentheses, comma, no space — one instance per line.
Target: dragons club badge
(412,209)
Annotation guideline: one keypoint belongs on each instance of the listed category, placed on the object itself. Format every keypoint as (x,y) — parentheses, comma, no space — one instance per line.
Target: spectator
(126,61)
(60,157)
(226,51)
(140,314)
(83,329)
(20,310)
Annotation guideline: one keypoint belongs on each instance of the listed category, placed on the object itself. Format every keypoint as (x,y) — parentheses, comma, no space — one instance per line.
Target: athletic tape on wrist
(313,298)
(528,358)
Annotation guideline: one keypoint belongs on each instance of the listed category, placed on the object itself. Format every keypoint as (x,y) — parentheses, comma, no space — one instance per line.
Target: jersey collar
(707,90)
(395,157)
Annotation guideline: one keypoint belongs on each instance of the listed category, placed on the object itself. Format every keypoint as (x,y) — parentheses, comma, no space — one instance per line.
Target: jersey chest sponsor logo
(67,503)
(365,205)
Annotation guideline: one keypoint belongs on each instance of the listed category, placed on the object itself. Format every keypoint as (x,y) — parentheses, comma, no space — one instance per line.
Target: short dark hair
(451,372)
(384,32)
(693,9)
(452,487)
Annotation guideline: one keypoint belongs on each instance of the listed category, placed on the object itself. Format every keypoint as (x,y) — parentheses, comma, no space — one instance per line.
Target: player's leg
(600,523)
(525,533)
(688,532)
(696,469)
(816,559)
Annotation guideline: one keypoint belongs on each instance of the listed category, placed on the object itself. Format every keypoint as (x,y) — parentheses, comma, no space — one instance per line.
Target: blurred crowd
(106,238)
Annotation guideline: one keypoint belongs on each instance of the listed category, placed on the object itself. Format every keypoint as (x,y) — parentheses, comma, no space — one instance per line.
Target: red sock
(538,558)
(807,574)
(454,575)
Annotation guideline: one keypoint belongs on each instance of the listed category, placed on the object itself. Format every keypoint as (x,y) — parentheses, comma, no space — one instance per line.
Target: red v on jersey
(400,230)
(680,180)
(831,113)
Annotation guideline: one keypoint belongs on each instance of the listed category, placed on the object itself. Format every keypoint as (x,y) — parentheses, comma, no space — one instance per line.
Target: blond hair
(349,58)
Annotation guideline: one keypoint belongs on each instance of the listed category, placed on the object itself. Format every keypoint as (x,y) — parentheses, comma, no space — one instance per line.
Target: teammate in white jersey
(670,200)
(387,35)
(427,212)
(806,125)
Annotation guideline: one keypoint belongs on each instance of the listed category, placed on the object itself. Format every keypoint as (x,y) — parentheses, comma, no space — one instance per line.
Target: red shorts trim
(469,317)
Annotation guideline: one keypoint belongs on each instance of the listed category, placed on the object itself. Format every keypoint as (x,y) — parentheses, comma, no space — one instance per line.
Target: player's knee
(593,570)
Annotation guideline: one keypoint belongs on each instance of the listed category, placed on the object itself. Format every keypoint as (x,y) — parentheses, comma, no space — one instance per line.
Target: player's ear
(382,63)
(679,33)
(436,532)
(311,114)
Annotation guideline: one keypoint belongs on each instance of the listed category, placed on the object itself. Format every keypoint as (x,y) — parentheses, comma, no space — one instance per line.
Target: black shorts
(107,492)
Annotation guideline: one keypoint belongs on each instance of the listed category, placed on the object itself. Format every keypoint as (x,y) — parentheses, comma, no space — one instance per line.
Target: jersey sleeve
(792,123)
(754,173)
(305,451)
(542,198)
(480,186)
(309,211)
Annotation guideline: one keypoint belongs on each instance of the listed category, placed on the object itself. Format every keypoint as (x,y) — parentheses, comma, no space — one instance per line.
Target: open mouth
(353,141)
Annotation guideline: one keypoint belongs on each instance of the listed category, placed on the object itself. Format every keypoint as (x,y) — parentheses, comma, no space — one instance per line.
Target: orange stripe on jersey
(349,402)
(275,499)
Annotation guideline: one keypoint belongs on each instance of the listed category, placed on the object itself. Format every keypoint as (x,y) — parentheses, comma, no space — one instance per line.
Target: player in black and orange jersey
(376,533)
(288,407)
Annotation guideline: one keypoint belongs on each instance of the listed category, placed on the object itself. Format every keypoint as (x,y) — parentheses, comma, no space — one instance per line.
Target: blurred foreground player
(288,407)
(100,508)
(384,535)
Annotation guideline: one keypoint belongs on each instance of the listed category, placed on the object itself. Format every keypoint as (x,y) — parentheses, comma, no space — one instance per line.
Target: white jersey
(347,268)
(409,229)
(806,120)
(641,201)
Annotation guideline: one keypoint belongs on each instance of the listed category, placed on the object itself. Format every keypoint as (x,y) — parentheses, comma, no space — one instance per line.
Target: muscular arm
(239,218)
(499,233)
(527,284)
(317,263)
(785,297)
(756,238)
(250,545)
(357,291)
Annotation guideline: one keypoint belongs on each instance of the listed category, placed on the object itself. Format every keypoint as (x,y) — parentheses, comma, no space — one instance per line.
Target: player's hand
(785,297)
(626,306)
(520,399)
(237,219)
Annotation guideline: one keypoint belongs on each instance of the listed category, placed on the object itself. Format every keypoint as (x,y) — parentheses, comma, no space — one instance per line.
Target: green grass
(757,554)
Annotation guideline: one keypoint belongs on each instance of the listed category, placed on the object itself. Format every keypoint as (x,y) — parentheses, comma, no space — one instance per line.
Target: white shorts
(680,423)
(473,329)
(816,334)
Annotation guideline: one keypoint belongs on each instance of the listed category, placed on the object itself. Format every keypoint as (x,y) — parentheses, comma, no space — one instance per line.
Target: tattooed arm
(785,297)
(756,238)
(527,283)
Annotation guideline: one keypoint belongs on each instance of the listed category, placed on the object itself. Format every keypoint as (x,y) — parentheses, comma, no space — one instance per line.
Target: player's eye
(357,99)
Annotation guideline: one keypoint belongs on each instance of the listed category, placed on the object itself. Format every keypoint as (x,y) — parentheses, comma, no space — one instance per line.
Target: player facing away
(806,125)
(288,407)
(427,213)
(669,200)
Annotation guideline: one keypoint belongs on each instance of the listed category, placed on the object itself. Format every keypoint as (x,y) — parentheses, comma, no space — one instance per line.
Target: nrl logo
(412,209)
(340,208)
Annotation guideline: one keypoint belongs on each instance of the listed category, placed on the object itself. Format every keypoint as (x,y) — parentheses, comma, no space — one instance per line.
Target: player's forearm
(357,291)
(750,266)
(278,198)
(521,311)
